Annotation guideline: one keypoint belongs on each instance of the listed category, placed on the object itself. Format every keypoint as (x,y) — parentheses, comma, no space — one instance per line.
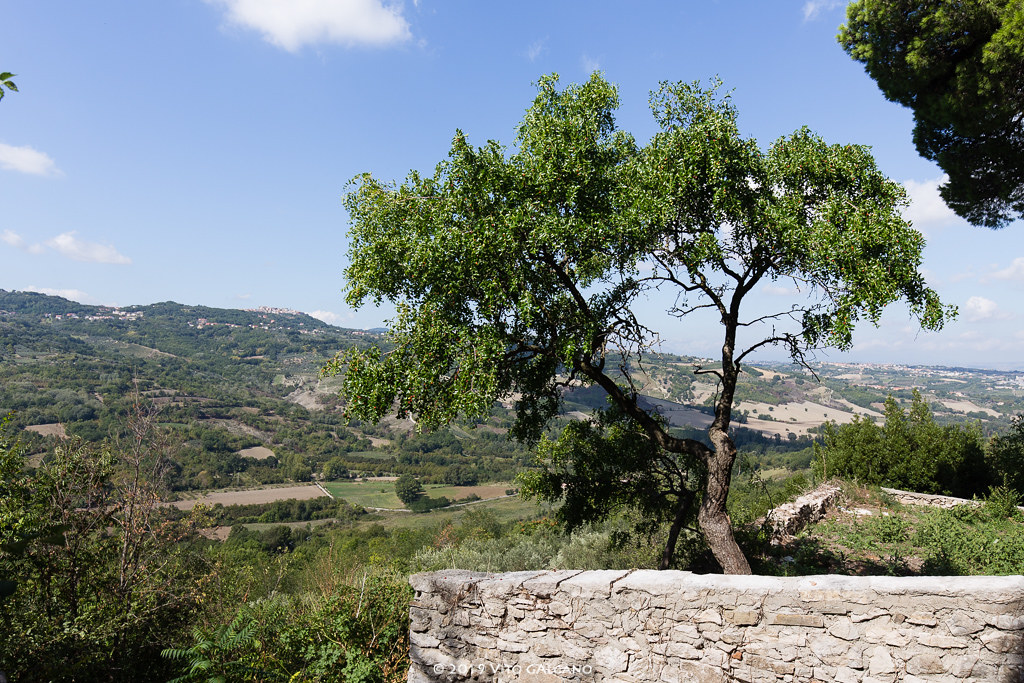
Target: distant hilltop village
(276,311)
(103,314)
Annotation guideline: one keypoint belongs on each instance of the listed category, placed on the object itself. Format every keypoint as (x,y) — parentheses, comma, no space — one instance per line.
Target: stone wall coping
(667,581)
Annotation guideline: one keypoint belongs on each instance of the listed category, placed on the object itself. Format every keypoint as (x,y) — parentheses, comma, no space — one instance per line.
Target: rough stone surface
(646,626)
(788,519)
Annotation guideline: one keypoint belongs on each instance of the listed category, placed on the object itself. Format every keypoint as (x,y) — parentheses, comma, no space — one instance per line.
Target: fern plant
(230,653)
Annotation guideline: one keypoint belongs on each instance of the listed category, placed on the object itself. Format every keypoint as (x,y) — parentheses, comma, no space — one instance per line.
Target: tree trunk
(713,517)
(685,502)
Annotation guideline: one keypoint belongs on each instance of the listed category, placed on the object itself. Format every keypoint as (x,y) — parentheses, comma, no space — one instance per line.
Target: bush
(358,634)
(909,452)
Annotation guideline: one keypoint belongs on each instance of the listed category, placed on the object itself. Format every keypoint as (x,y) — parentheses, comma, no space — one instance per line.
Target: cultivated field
(54,429)
(378,493)
(256,453)
(252,496)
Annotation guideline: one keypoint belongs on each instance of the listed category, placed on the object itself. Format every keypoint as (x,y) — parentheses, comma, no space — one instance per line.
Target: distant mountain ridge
(36,303)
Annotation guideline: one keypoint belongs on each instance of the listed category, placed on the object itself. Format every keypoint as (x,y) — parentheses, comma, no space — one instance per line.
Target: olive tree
(516,273)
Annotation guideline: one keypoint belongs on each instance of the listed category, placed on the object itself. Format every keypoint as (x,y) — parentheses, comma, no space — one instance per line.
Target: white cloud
(813,8)
(73,294)
(589,65)
(1015,271)
(979,308)
(15,240)
(927,210)
(330,317)
(27,160)
(535,50)
(12,238)
(69,245)
(291,24)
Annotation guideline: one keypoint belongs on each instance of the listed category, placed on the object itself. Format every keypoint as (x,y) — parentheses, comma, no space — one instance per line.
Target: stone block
(1002,642)
(706,616)
(880,661)
(944,642)
(683,651)
(922,619)
(808,620)
(844,628)
(960,624)
(925,664)
(610,658)
(510,646)
(874,613)
(424,640)
(742,617)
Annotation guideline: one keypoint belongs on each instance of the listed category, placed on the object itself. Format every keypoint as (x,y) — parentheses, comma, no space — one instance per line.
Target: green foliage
(427,503)
(543,544)
(1008,456)
(408,488)
(514,274)
(112,580)
(357,634)
(910,451)
(597,468)
(6,82)
(957,65)
(962,540)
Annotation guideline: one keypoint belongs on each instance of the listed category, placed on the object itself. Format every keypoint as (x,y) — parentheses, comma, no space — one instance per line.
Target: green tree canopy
(408,488)
(958,65)
(515,273)
(910,451)
(1008,456)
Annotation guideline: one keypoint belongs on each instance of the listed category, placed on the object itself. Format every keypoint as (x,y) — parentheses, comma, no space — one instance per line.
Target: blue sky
(198,150)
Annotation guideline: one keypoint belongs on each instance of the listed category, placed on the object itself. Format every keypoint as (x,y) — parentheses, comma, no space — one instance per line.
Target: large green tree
(515,272)
(958,65)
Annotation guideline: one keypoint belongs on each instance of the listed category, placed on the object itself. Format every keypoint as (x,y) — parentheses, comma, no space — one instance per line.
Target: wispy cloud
(15,240)
(927,210)
(589,64)
(73,294)
(1015,271)
(536,49)
(27,160)
(292,24)
(68,244)
(814,8)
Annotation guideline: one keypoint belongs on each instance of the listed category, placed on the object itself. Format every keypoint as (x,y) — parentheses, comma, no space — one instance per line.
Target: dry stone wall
(547,627)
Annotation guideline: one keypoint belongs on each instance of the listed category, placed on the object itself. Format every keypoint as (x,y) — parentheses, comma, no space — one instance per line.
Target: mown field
(381,494)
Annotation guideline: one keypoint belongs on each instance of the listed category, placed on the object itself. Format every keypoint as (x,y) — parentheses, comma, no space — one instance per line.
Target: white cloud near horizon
(927,210)
(73,294)
(27,160)
(68,244)
(330,317)
(292,24)
(814,8)
(979,308)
